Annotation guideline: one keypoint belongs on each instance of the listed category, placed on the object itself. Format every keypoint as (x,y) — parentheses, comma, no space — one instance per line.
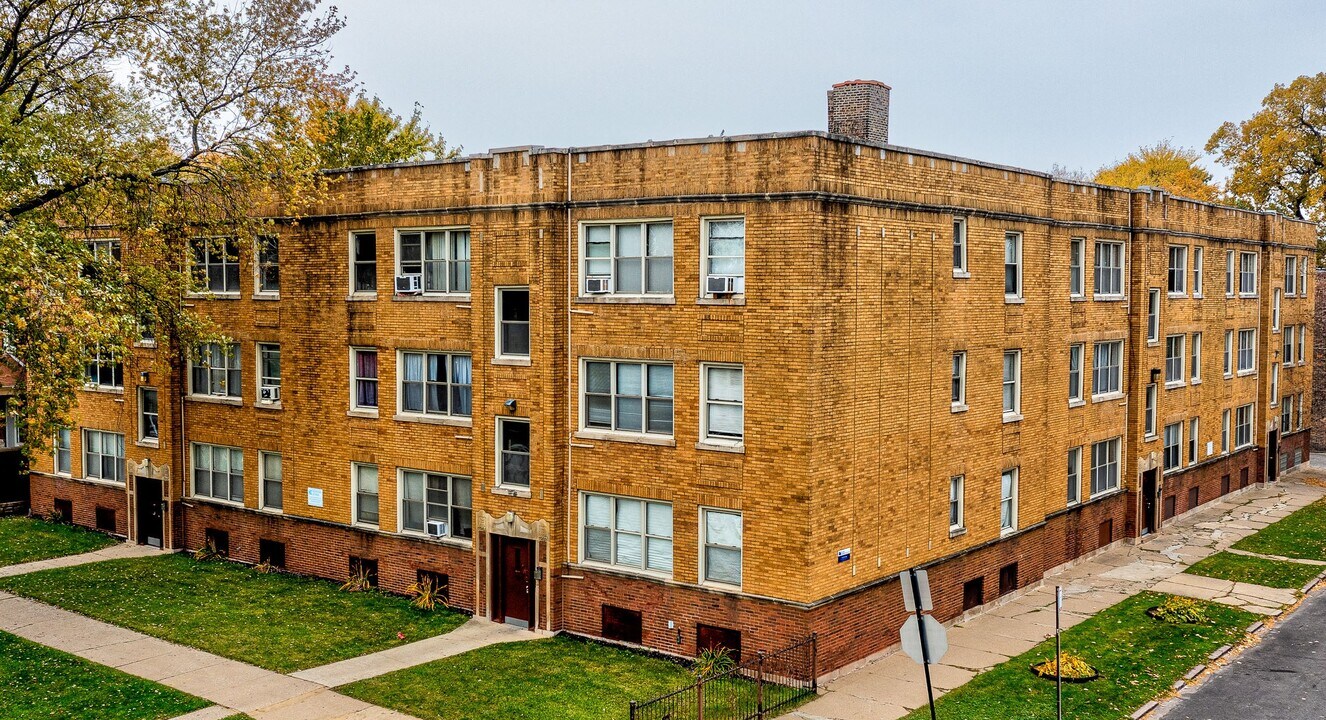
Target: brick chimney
(859,109)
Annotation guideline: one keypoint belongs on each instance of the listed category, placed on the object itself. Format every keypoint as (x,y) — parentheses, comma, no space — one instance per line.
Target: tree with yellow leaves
(1163,165)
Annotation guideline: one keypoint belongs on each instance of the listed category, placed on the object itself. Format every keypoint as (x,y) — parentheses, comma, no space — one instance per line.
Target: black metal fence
(755,689)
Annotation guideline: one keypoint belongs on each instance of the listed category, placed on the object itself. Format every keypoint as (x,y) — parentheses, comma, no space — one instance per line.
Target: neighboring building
(1319,368)
(13,468)
(710,391)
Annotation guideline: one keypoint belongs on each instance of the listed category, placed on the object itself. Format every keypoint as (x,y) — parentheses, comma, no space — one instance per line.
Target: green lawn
(27,539)
(559,677)
(1259,571)
(43,683)
(1301,535)
(276,621)
(1138,659)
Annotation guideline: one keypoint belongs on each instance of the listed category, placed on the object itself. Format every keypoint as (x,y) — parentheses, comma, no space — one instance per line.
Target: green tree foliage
(346,133)
(1163,165)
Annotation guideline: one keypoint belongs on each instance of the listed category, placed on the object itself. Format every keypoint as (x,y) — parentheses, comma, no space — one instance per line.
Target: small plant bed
(1177,610)
(25,540)
(1255,570)
(1137,657)
(43,683)
(1075,669)
(277,621)
(1301,535)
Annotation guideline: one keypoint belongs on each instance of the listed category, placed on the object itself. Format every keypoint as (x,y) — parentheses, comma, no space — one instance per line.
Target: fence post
(634,706)
(759,685)
(699,700)
(814,663)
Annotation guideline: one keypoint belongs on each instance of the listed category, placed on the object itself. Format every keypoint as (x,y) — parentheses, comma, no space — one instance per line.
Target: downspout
(570,400)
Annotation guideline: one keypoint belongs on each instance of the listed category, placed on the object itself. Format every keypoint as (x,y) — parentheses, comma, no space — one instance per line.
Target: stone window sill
(627,437)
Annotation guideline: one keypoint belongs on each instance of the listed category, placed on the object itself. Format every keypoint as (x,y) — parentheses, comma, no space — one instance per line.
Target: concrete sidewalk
(891,686)
(114,552)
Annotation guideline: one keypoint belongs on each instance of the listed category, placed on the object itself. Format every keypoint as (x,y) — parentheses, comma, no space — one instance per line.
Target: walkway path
(120,550)
(891,686)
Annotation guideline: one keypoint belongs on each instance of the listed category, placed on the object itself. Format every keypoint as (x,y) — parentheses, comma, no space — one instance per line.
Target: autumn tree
(148,121)
(363,131)
(1163,165)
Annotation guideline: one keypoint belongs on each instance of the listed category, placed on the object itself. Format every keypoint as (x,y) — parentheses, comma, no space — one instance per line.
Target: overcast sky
(1025,83)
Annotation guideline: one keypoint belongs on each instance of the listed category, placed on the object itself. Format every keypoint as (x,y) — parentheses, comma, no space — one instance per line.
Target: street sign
(936,638)
(908,601)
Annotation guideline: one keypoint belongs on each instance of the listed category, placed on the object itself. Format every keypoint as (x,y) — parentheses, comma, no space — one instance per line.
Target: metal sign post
(923,638)
(1058,655)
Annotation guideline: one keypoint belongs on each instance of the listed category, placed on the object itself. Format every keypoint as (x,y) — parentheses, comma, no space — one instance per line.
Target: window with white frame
(1302,410)
(63,456)
(1194,426)
(105,250)
(627,532)
(1247,350)
(1174,356)
(724,257)
(723,416)
(363,379)
(366,500)
(1107,368)
(1291,276)
(434,384)
(269,373)
(1302,343)
(218,472)
(214,370)
(1076,248)
(363,262)
(1177,284)
(1013,265)
(1287,413)
(440,258)
(1247,274)
(1224,432)
(1275,310)
(959,246)
(1275,382)
(148,414)
(629,397)
(1012,384)
(513,446)
(1229,273)
(1109,269)
(955,502)
(513,322)
(628,258)
(1153,315)
(722,546)
(1074,475)
(1008,500)
(1075,352)
(1303,276)
(1105,466)
(271,482)
(958,386)
(1198,270)
(1195,367)
(436,497)
(1229,353)
(1173,446)
(1289,344)
(103,455)
(268,265)
(1243,426)
(1150,421)
(215,265)
(104,370)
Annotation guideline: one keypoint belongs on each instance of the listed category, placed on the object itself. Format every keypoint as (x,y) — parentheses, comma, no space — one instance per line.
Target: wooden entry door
(149,511)
(513,581)
(1149,492)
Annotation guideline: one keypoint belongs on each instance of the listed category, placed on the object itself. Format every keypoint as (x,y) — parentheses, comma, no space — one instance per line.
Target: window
(364,262)
(1224,432)
(1291,276)
(63,452)
(633,258)
(628,397)
(1303,276)
(513,322)
(1153,315)
(1289,344)
(513,442)
(1174,359)
(1150,420)
(1247,274)
(214,370)
(1302,343)
(366,493)
(1193,426)
(1012,383)
(955,492)
(269,466)
(434,384)
(1198,260)
(1247,350)
(269,264)
(959,246)
(1173,446)
(1074,475)
(1243,426)
(723,415)
(724,255)
(1229,353)
(1301,411)
(1109,269)
(104,371)
(364,374)
(722,546)
(1104,466)
(1229,273)
(629,533)
(1287,413)
(148,416)
(218,472)
(1076,247)
(215,265)
(1008,500)
(1106,368)
(269,373)
(437,497)
(1075,372)
(104,250)
(1195,368)
(958,390)
(440,258)
(1275,382)
(1013,266)
(1275,310)
(1177,284)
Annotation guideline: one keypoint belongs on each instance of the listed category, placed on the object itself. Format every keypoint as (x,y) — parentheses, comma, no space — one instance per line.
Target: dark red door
(514,582)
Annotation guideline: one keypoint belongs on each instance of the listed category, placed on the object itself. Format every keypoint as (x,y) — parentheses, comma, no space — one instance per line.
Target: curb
(1197,670)
(1219,652)
(1142,711)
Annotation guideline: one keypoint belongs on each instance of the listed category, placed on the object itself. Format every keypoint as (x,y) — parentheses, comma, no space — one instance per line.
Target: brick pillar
(859,109)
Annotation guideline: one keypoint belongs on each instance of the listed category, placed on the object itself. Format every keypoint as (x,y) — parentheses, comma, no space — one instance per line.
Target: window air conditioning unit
(409,284)
(269,394)
(721,284)
(437,528)
(598,285)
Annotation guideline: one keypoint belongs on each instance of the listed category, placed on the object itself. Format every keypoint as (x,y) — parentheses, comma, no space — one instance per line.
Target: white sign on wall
(315,497)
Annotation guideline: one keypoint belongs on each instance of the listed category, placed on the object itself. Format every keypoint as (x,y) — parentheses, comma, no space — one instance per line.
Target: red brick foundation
(85,497)
(1208,478)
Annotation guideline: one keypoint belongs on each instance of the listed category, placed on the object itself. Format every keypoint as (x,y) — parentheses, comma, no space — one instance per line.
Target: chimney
(859,109)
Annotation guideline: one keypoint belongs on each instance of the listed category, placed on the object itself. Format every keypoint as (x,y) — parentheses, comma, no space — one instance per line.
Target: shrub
(360,581)
(711,662)
(207,552)
(1075,668)
(428,594)
(266,568)
(1180,611)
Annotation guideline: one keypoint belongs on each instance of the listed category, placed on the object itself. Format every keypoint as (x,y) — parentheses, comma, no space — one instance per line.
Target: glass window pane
(660,240)
(628,379)
(722,528)
(628,241)
(629,412)
(598,545)
(659,521)
(658,554)
(598,377)
(629,516)
(598,511)
(725,384)
(629,550)
(660,381)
